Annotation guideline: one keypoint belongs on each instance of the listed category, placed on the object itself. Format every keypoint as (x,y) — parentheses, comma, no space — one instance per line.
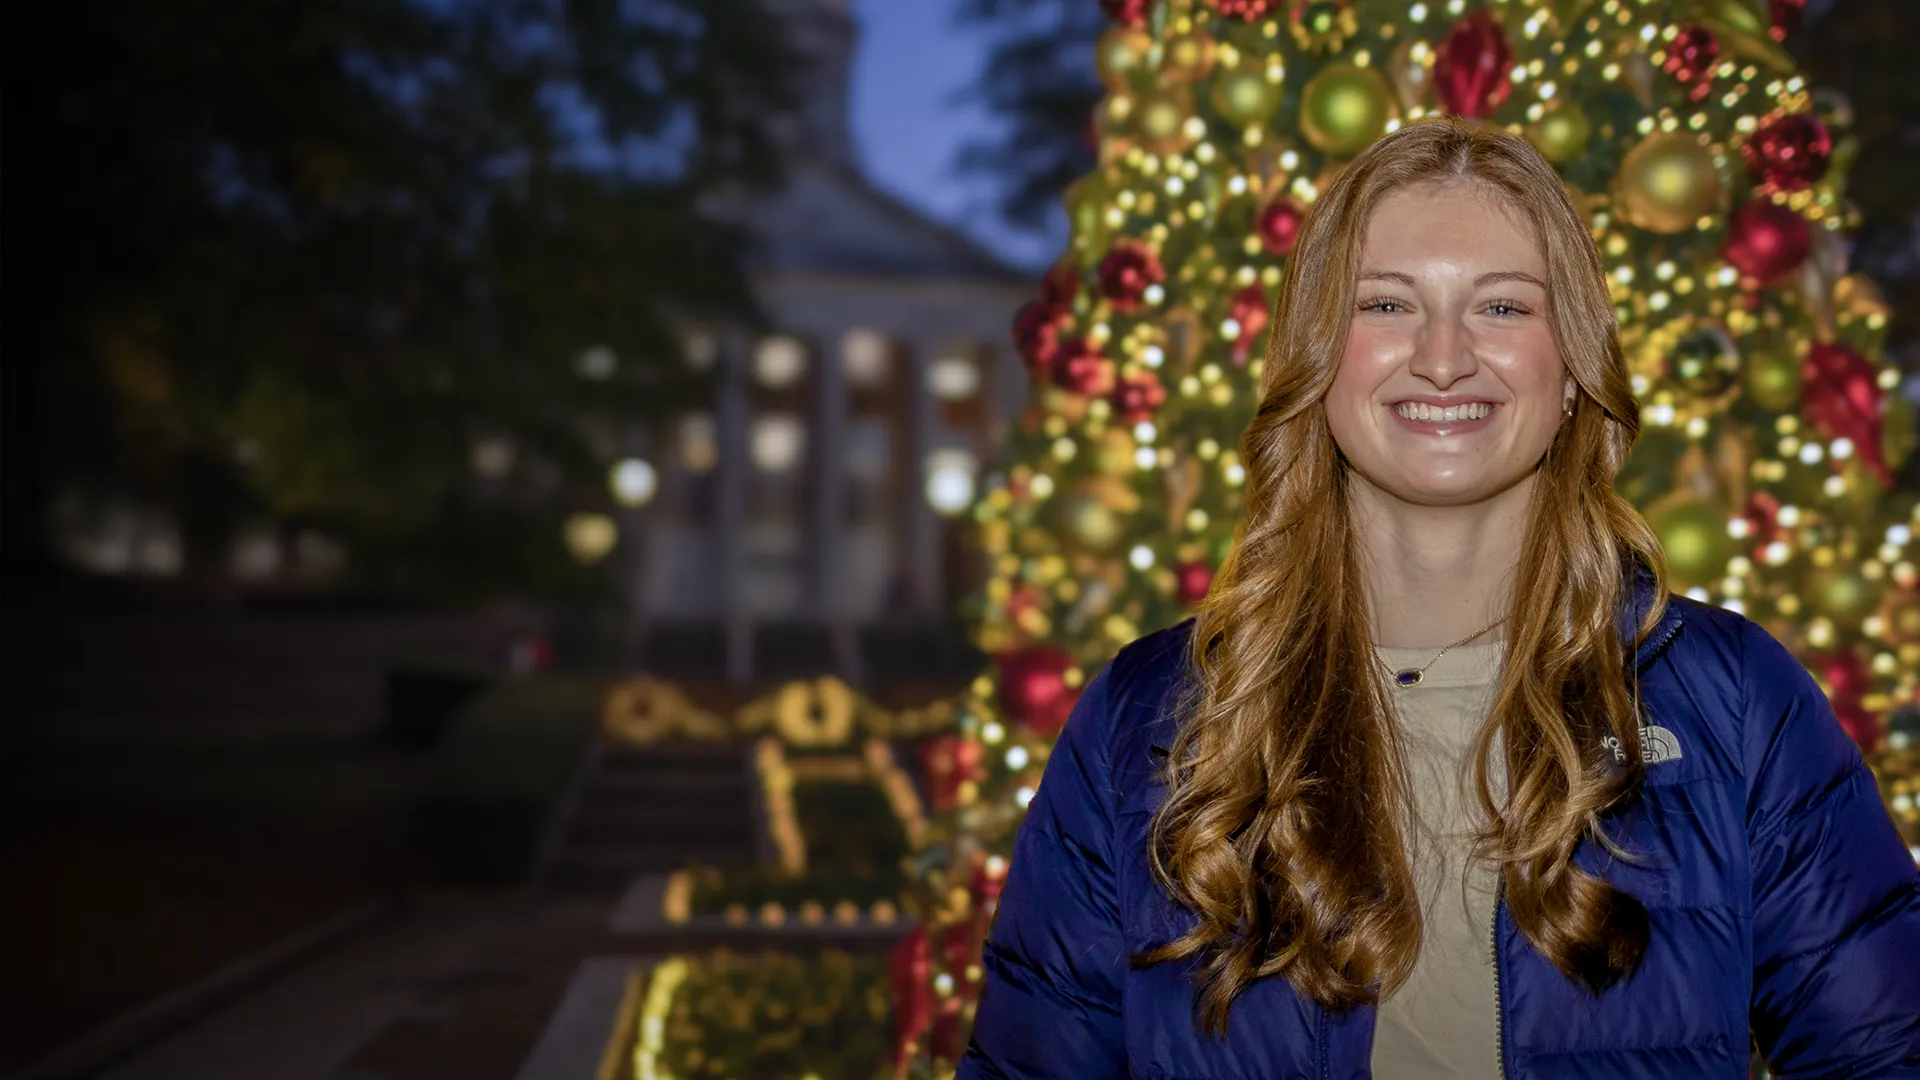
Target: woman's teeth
(1414,410)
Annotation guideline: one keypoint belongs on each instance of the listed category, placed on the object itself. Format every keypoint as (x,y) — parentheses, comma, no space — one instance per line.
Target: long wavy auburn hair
(1289,810)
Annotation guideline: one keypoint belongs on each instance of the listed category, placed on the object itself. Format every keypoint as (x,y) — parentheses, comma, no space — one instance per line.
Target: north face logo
(1657,744)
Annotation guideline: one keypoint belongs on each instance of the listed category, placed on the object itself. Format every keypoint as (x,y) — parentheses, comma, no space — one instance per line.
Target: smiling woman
(1441,781)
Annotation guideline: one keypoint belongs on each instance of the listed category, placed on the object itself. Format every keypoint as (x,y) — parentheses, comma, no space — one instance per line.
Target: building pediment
(828,219)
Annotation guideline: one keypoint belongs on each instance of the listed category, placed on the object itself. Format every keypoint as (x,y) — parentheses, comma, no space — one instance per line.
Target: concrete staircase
(649,810)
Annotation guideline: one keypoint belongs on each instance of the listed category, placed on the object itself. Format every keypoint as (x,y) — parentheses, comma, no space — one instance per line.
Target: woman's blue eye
(1504,307)
(1379,305)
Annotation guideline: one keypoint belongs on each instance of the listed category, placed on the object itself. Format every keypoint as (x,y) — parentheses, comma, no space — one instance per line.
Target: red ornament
(1061,282)
(1036,334)
(949,761)
(1249,308)
(1862,726)
(1847,682)
(1786,18)
(1762,513)
(1126,272)
(1473,66)
(1765,242)
(909,976)
(1130,12)
(1079,367)
(1032,688)
(1137,396)
(989,878)
(1279,225)
(1024,598)
(1788,153)
(1191,582)
(1841,396)
(1246,10)
(1691,59)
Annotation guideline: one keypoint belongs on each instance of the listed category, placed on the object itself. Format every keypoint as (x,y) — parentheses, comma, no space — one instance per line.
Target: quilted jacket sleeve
(1836,897)
(1055,959)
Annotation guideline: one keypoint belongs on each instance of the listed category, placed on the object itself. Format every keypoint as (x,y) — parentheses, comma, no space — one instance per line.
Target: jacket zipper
(1499,1013)
(1326,1056)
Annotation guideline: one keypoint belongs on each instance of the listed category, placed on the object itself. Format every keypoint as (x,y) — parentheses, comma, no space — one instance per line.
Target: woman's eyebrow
(1507,275)
(1491,277)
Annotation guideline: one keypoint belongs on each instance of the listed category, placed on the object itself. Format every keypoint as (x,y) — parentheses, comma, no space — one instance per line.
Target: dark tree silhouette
(291,258)
(1039,82)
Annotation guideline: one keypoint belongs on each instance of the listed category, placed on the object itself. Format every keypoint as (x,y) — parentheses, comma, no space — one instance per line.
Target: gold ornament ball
(1113,452)
(1693,534)
(1245,97)
(1773,379)
(1845,595)
(1087,200)
(1668,182)
(1705,362)
(1901,614)
(1189,57)
(1160,118)
(1857,296)
(1345,108)
(1119,54)
(1089,519)
(1563,133)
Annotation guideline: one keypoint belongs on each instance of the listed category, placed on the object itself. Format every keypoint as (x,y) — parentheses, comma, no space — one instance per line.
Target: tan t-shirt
(1443,1022)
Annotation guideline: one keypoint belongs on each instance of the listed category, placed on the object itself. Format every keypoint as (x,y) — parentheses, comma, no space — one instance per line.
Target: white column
(826,521)
(730,502)
(921,538)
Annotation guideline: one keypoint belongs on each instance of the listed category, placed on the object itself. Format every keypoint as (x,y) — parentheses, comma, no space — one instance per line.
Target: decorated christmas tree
(1714,178)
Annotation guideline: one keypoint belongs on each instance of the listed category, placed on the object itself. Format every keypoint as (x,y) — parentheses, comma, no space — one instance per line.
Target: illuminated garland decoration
(814,713)
(725,1014)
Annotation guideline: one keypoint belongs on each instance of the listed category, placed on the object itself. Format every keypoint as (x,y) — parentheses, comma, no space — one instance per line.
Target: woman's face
(1451,387)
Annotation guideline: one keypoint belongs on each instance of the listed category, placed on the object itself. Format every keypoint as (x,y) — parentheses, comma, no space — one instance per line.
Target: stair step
(670,786)
(648,858)
(679,829)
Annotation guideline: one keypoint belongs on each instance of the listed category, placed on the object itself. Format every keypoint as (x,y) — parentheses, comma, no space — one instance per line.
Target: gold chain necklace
(1407,677)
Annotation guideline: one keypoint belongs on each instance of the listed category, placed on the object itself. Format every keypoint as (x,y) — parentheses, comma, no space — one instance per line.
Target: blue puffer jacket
(1781,901)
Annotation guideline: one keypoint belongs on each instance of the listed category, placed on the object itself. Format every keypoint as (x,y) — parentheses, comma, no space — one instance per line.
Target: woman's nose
(1443,354)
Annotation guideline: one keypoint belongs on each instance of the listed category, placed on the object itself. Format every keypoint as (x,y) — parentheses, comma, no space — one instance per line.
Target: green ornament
(1844,594)
(1773,380)
(1898,432)
(1693,534)
(1562,134)
(1345,108)
(1245,96)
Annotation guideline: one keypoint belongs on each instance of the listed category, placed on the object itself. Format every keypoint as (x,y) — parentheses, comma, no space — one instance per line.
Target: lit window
(778,362)
(776,441)
(863,357)
(953,378)
(950,474)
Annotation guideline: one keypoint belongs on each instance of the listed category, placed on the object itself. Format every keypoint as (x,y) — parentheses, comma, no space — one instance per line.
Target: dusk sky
(912,62)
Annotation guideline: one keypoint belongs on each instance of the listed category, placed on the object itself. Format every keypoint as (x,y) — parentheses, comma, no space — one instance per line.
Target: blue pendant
(1408,677)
